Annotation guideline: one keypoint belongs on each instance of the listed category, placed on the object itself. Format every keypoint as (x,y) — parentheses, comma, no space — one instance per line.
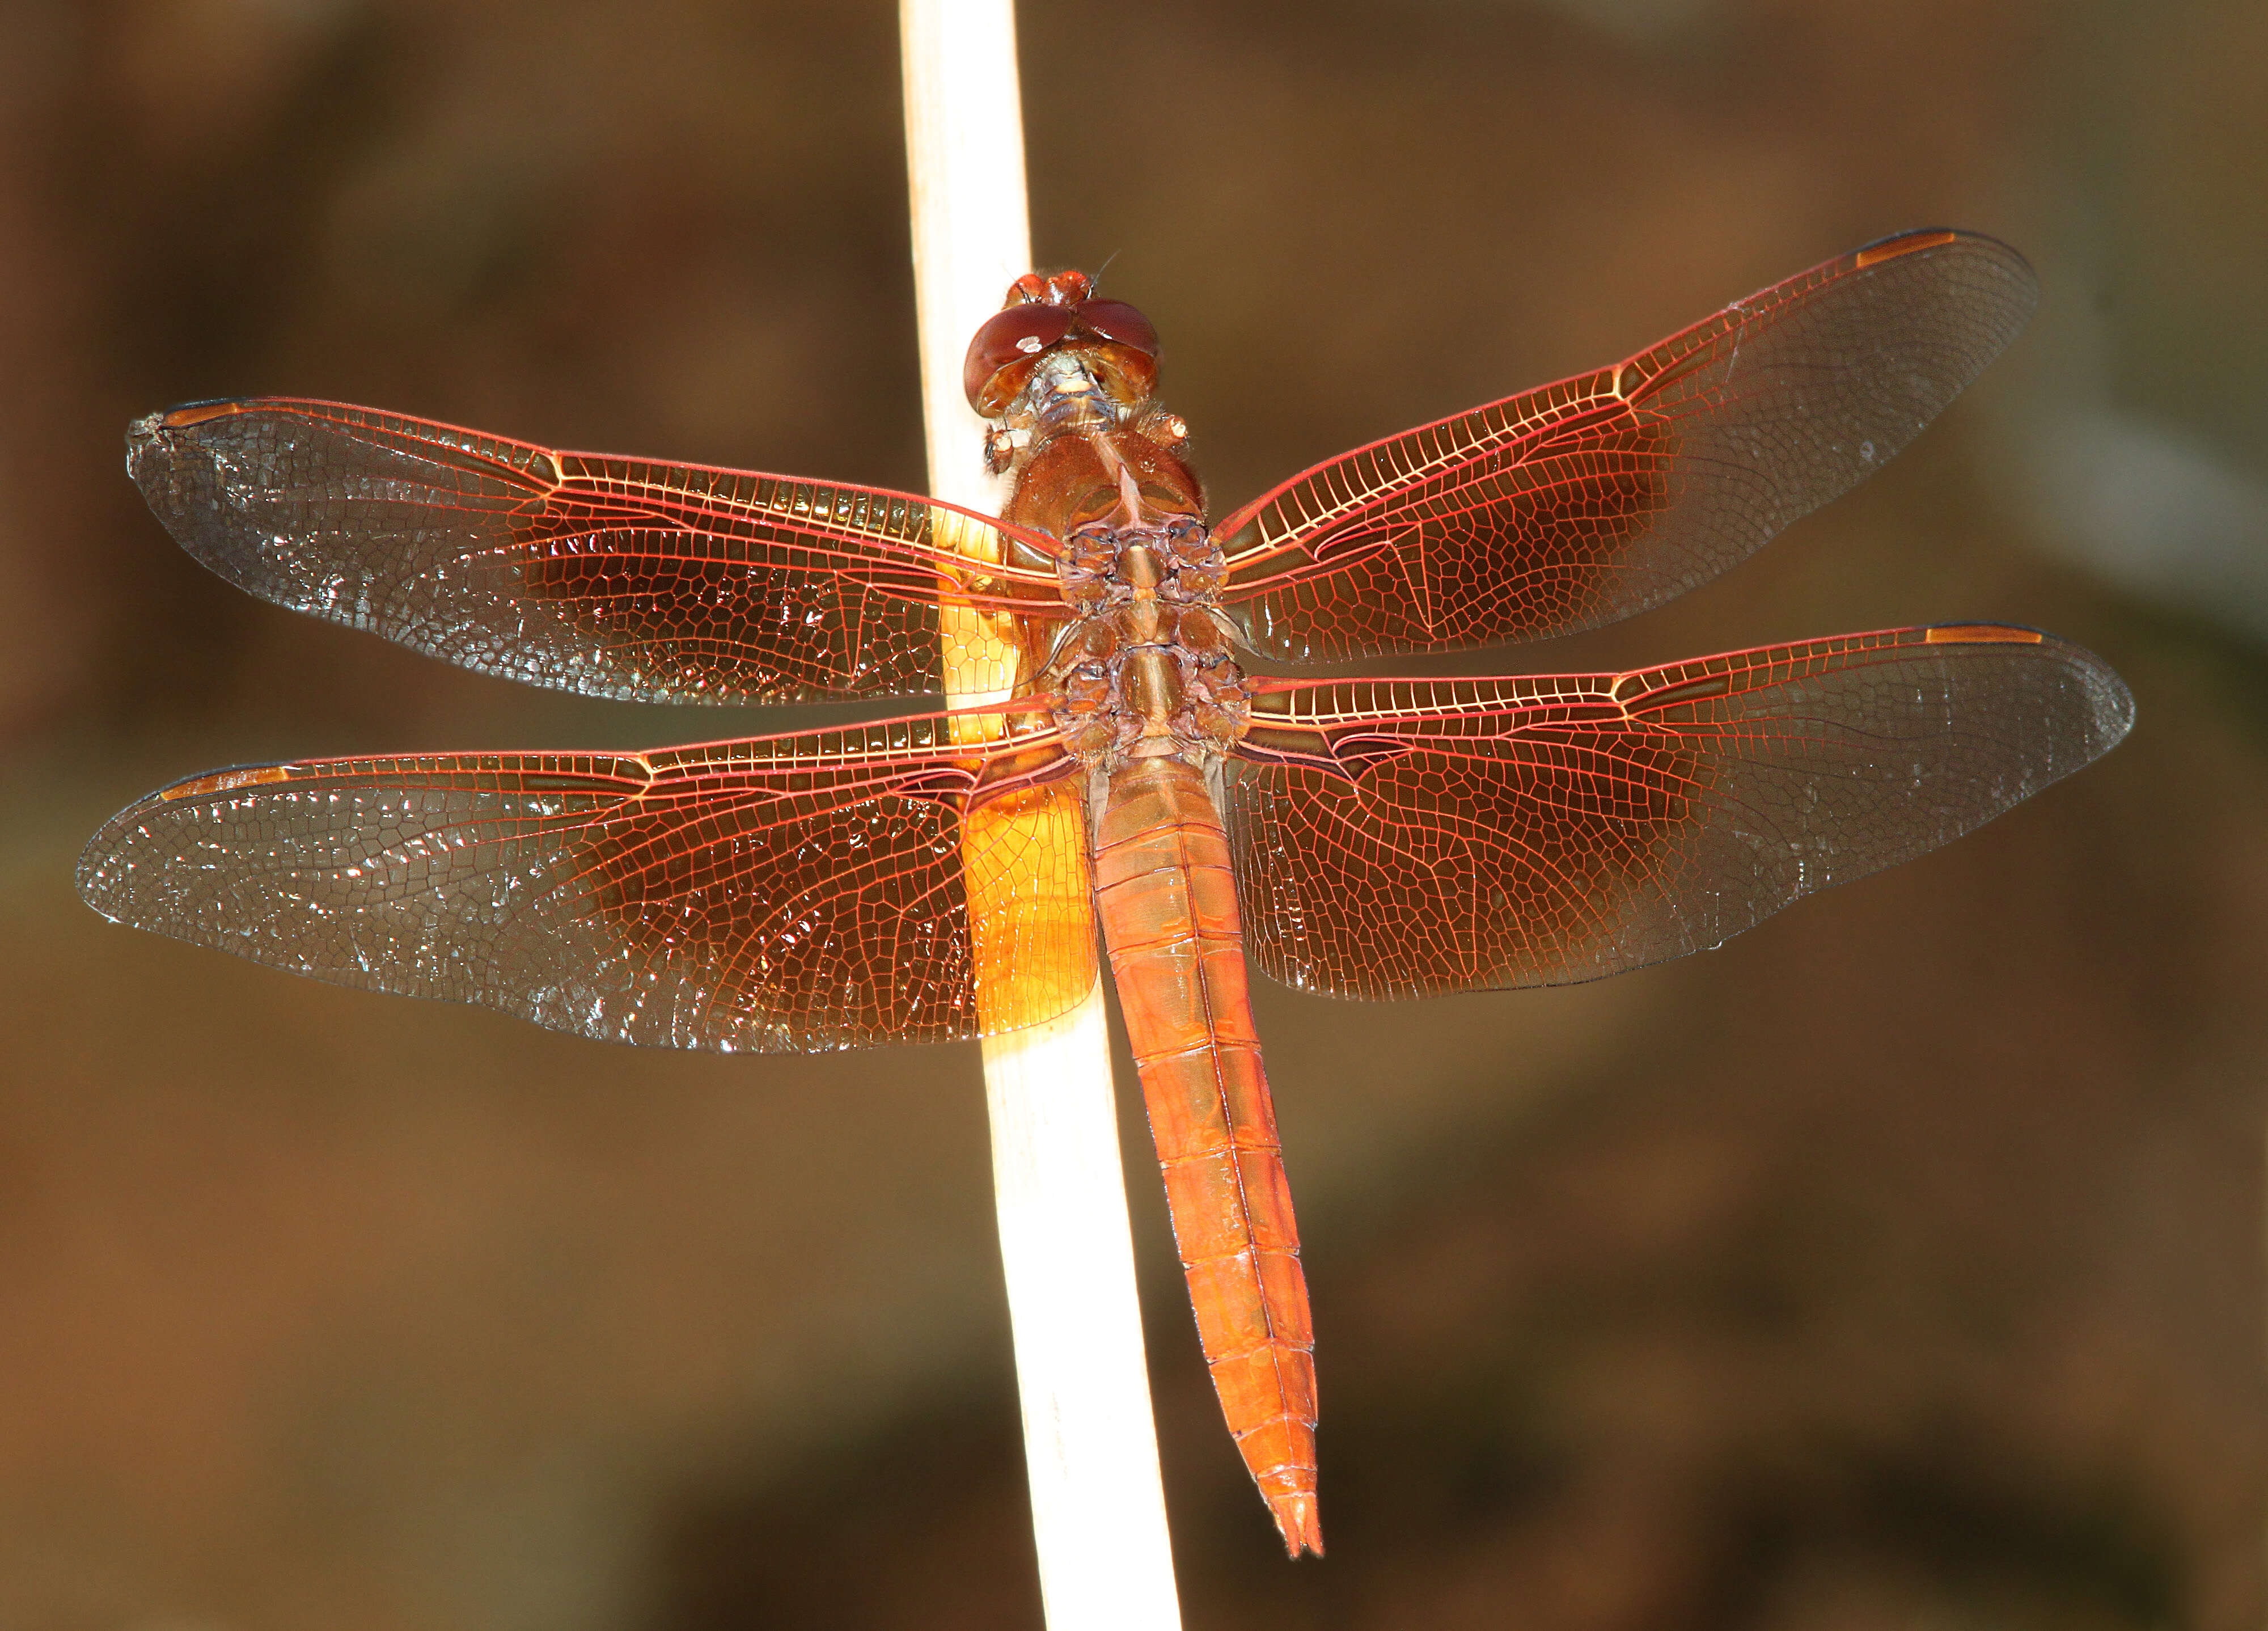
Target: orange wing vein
(1402,837)
(620,577)
(1598,496)
(783,894)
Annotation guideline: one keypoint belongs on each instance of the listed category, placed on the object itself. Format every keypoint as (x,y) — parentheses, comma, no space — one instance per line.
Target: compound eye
(1018,333)
(1114,320)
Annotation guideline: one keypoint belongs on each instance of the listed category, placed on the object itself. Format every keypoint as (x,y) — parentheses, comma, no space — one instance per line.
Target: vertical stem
(1098,1509)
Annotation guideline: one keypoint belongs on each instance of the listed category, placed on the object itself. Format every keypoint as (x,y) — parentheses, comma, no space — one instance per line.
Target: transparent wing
(611,577)
(784,894)
(1401,837)
(1598,496)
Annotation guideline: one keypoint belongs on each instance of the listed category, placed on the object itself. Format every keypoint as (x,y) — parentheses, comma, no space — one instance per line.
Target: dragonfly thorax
(1146,670)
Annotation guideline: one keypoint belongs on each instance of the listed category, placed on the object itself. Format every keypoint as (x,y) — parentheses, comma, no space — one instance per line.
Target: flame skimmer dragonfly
(943,875)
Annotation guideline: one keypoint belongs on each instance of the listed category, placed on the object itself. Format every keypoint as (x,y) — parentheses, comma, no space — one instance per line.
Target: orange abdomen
(1168,909)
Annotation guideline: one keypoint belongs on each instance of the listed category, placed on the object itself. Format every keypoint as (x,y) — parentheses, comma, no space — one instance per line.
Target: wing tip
(158,455)
(1921,239)
(108,862)
(105,861)
(1959,243)
(153,428)
(2109,699)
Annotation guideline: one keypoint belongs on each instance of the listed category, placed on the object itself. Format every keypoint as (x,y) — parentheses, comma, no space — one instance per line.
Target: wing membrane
(1398,837)
(1588,500)
(786,894)
(611,577)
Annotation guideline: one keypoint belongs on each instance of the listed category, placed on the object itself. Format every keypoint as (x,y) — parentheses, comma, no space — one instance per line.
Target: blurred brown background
(1898,1265)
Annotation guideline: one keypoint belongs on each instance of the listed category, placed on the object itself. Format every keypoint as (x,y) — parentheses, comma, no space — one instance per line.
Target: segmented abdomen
(1168,912)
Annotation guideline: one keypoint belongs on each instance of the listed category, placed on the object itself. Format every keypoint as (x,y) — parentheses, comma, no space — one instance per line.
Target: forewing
(611,577)
(787,894)
(1601,496)
(1397,838)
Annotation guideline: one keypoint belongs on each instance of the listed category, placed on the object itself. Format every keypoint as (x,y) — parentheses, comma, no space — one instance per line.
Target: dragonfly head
(1056,316)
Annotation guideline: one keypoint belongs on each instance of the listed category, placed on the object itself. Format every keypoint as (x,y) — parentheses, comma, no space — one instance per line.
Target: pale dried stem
(1098,1509)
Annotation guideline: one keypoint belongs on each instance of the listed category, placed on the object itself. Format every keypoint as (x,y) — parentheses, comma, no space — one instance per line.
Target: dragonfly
(1139,770)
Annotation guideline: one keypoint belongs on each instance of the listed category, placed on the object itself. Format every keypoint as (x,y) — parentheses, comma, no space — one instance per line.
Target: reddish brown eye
(1114,320)
(1009,337)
